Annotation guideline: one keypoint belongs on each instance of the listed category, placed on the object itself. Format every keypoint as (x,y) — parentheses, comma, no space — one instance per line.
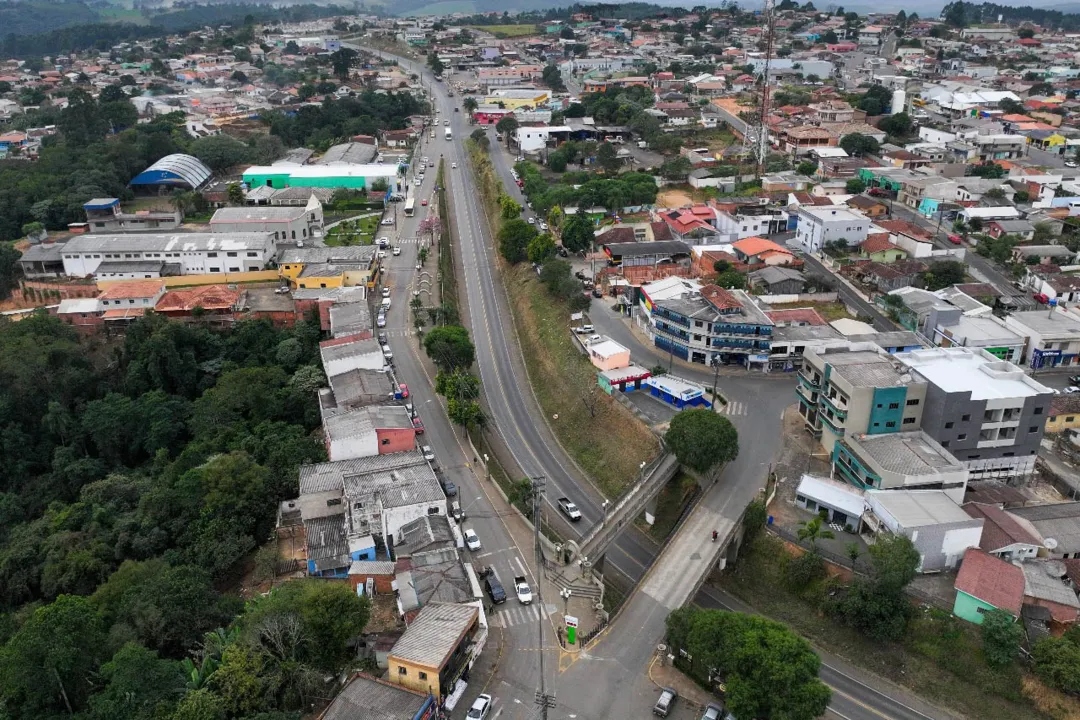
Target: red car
(423,203)
(403,390)
(954,239)
(418,425)
(1041,298)
(879,192)
(521,183)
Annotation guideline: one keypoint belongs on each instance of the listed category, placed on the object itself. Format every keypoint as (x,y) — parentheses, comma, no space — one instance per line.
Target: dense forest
(137,473)
(961,14)
(43,28)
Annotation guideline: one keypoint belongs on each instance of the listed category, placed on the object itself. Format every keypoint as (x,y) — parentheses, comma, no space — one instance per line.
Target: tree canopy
(702,439)
(449,347)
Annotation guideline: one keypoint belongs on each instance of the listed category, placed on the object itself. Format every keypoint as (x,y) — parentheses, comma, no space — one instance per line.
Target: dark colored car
(449,488)
(495,589)
(1074,379)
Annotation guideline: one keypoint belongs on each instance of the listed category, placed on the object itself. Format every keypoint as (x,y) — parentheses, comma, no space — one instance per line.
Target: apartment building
(857,388)
(984,410)
(1053,337)
(704,323)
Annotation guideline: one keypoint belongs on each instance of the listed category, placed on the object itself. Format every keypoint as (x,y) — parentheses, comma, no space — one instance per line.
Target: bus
(410,207)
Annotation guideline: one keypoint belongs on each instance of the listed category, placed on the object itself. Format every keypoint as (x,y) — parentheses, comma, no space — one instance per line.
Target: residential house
(759,251)
(1058,524)
(1023,230)
(368,698)
(1045,587)
(986,583)
(207,303)
(1064,413)
(841,503)
(871,207)
(82,313)
(877,248)
(887,277)
(129,300)
(777,281)
(1004,535)
(368,431)
(439,646)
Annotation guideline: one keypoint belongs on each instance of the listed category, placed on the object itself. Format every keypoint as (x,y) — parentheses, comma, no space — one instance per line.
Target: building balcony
(808,396)
(669,330)
(839,409)
(809,381)
(660,313)
(835,424)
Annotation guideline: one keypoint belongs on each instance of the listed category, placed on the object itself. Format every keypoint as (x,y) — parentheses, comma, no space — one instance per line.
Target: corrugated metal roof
(434,634)
(367,698)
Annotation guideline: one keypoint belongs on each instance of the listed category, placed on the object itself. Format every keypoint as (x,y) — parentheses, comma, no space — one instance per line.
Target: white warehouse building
(193,253)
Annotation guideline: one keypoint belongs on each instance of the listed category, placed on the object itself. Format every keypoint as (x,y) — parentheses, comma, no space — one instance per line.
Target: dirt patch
(674,198)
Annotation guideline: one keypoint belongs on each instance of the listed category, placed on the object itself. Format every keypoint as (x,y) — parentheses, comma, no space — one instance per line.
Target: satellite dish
(1050,544)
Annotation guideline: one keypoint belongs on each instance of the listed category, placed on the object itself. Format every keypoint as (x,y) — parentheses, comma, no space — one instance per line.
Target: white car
(397,251)
(1071,390)
(532,221)
(382,254)
(381,321)
(417,182)
(543,225)
(429,454)
(386,292)
(387,221)
(473,543)
(387,352)
(384,241)
(453,166)
(480,707)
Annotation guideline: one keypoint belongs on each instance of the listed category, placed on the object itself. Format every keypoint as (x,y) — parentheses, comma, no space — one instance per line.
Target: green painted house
(985,583)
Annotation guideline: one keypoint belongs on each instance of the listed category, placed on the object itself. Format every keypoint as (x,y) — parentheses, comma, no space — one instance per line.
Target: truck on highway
(449,134)
(569,509)
(521,587)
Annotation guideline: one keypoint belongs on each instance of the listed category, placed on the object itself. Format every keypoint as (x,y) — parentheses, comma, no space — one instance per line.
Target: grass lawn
(610,445)
(506,30)
(940,658)
(669,506)
(353,232)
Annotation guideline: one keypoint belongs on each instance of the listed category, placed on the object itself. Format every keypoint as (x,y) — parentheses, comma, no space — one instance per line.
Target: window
(945,443)
(231,254)
(211,254)
(386,441)
(234,269)
(894,406)
(891,423)
(251,254)
(909,421)
(1070,418)
(1038,411)
(423,675)
(215,269)
(962,436)
(879,406)
(333,501)
(965,418)
(948,425)
(912,403)
(401,670)
(1033,428)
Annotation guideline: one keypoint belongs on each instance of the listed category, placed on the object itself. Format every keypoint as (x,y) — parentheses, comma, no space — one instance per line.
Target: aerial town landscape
(481,361)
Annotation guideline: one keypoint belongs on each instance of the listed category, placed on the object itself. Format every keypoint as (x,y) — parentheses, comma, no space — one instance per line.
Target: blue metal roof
(176,169)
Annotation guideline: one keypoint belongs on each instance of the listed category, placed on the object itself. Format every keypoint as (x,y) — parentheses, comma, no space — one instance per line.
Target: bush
(805,570)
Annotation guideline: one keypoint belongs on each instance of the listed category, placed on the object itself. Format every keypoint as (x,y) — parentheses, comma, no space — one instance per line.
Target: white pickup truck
(569,508)
(524,592)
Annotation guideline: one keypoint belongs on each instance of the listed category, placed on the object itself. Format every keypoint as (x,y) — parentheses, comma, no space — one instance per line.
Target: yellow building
(515,99)
(436,648)
(330,267)
(1064,414)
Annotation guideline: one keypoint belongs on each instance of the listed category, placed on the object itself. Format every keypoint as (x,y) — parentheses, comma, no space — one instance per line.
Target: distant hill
(27,18)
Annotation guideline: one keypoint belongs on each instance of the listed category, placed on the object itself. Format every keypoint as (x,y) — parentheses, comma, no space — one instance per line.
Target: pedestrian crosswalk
(397,332)
(509,615)
(732,408)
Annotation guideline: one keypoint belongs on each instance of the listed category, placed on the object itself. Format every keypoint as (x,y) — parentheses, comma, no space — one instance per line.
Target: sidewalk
(667,676)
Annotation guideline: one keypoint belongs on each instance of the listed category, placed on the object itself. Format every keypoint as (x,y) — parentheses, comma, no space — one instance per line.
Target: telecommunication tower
(756,138)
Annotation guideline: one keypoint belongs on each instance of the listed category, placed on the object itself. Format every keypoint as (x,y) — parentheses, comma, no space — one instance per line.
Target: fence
(800,297)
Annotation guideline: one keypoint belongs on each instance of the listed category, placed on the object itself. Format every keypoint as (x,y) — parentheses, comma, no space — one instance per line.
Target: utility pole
(543,700)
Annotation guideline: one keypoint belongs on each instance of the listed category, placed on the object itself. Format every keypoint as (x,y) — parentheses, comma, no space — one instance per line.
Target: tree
(830,37)
(342,61)
(450,348)
(807,168)
(235,194)
(506,126)
(1011,107)
(199,704)
(81,122)
(943,274)
(877,606)
(238,76)
(811,531)
(509,208)
(768,670)
(578,235)
(220,152)
(1025,33)
(677,168)
(858,144)
(987,170)
(9,269)
(113,93)
(514,238)
(470,104)
(553,78)
(895,561)
(731,279)
(1057,662)
(898,125)
(541,248)
(754,519)
(702,440)
(481,139)
(855,186)
(138,685)
(45,666)
(1001,636)
(435,63)
(608,159)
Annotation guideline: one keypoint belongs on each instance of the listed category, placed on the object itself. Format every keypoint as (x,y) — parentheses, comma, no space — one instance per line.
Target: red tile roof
(878,242)
(756,245)
(208,297)
(1000,529)
(991,580)
(132,289)
(720,298)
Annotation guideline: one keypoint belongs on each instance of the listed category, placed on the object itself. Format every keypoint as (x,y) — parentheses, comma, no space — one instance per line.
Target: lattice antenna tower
(756,140)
